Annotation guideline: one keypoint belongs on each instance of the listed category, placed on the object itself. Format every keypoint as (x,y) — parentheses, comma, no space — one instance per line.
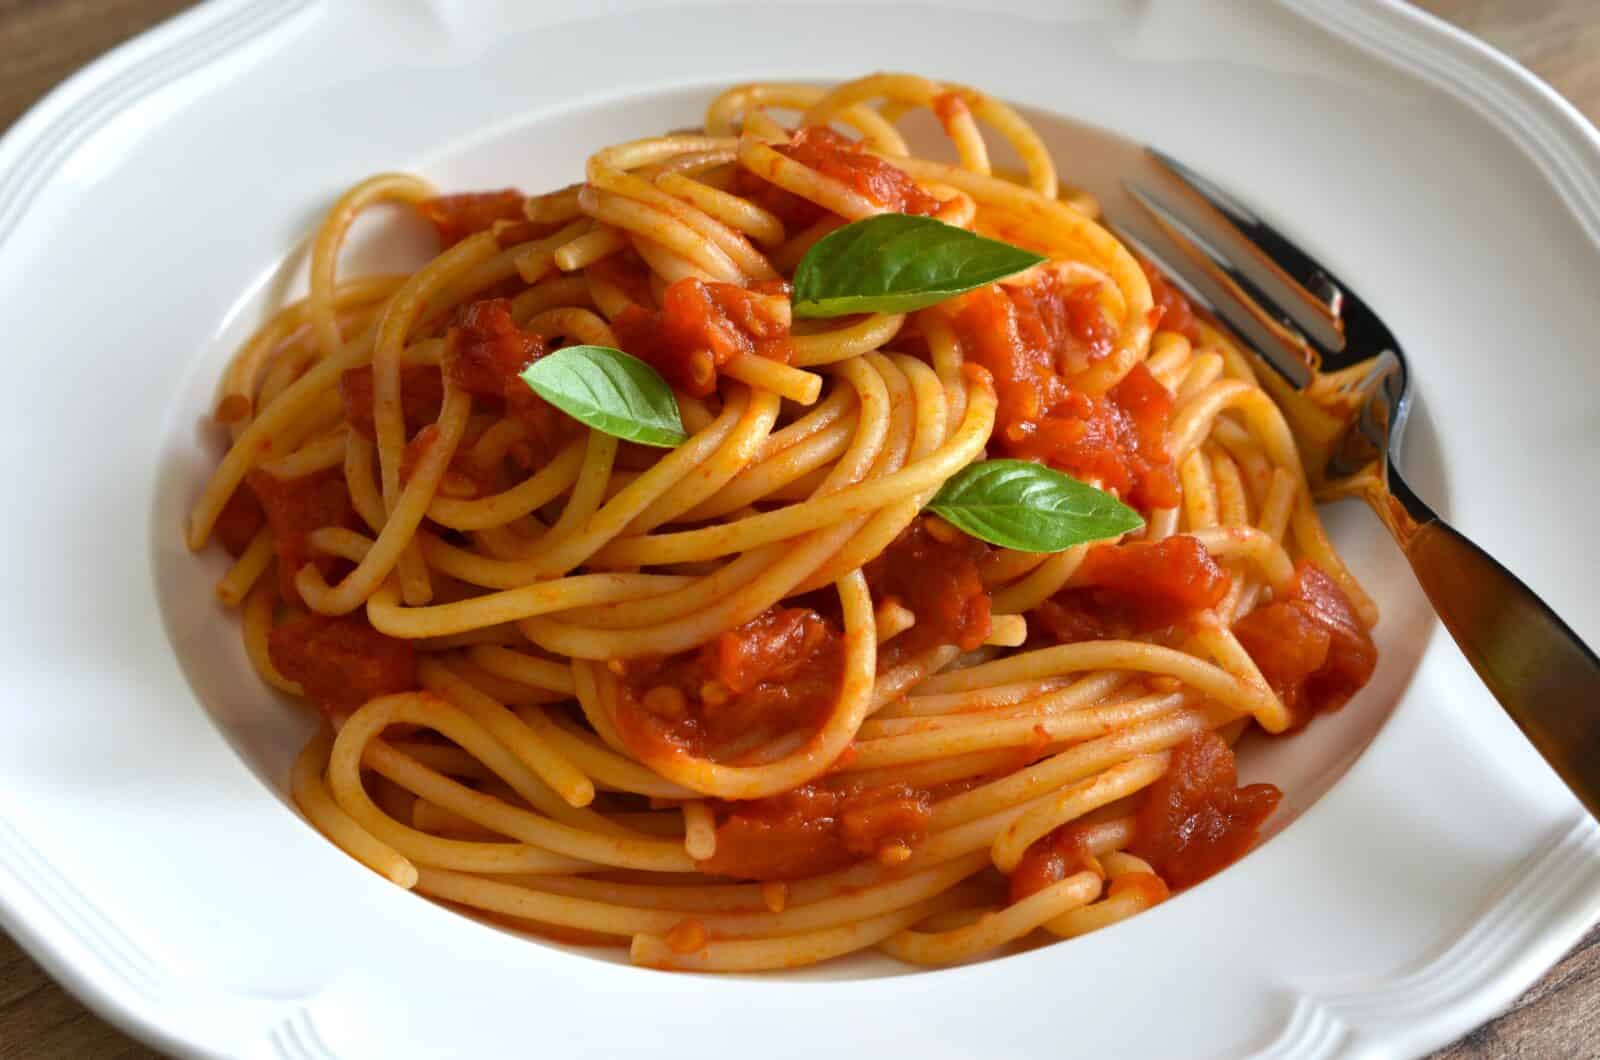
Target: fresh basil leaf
(610,391)
(1029,507)
(894,263)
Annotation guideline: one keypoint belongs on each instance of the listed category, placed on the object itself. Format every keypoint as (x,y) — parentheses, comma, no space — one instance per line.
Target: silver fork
(1342,381)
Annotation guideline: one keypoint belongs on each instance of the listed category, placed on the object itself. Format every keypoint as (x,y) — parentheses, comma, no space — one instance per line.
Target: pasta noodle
(744,702)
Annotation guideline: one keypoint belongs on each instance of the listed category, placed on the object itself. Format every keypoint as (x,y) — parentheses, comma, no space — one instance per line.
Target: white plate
(147,852)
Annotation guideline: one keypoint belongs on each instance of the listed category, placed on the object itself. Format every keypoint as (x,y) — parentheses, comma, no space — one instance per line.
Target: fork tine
(1312,285)
(1156,246)
(1359,333)
(1294,356)
(1283,355)
(1283,374)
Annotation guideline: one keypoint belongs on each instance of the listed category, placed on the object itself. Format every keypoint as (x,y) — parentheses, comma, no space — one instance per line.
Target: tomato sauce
(939,581)
(341,662)
(702,326)
(488,350)
(1118,440)
(296,506)
(1065,321)
(814,829)
(1052,858)
(779,673)
(1195,820)
(844,160)
(421,397)
(1127,590)
(1176,312)
(1033,340)
(1310,646)
(455,217)
(848,162)
(239,520)
(486,353)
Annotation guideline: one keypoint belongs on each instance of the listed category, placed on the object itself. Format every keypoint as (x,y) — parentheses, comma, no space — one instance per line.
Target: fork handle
(1544,676)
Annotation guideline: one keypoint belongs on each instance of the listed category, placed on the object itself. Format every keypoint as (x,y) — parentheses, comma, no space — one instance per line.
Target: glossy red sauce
(937,580)
(341,662)
(848,162)
(702,326)
(779,673)
(1118,440)
(844,160)
(296,506)
(1126,590)
(239,520)
(814,829)
(1195,820)
(1033,339)
(488,349)
(1310,646)
(1176,313)
(1065,322)
(485,356)
(1052,858)
(421,395)
(455,217)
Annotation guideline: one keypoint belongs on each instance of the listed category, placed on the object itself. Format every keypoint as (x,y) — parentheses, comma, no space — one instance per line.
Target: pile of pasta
(743,703)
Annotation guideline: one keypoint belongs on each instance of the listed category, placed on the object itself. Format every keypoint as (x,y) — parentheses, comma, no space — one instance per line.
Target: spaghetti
(743,703)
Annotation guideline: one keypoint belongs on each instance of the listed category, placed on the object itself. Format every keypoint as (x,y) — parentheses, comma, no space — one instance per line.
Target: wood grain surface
(43,41)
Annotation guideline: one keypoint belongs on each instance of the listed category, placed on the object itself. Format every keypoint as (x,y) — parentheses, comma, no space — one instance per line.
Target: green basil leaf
(1029,507)
(610,391)
(894,263)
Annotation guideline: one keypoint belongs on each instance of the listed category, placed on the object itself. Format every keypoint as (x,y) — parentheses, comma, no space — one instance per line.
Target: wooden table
(42,41)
